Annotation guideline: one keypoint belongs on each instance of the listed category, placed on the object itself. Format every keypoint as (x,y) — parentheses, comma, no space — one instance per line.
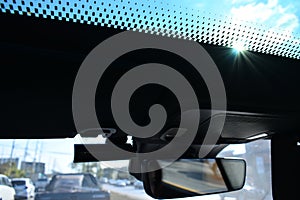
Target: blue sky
(283,14)
(56,153)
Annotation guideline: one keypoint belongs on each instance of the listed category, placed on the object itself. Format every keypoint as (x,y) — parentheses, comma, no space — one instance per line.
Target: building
(8,160)
(33,169)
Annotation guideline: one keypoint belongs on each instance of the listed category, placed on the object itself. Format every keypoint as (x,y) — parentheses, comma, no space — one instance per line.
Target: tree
(10,169)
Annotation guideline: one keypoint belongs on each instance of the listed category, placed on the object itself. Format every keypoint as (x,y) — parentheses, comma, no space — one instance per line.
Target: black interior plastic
(40,59)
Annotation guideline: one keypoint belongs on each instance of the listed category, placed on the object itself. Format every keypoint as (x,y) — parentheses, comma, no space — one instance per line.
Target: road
(126,193)
(129,193)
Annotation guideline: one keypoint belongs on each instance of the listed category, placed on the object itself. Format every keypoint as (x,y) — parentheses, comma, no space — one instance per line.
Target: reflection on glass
(196,176)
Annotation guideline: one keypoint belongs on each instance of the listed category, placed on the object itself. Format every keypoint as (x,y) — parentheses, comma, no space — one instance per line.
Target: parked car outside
(138,185)
(120,183)
(103,180)
(41,183)
(112,181)
(73,186)
(24,188)
(7,192)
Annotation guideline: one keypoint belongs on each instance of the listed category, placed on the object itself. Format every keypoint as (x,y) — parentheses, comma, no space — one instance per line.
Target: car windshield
(258,179)
(113,175)
(63,181)
(245,45)
(261,22)
(18,183)
(42,179)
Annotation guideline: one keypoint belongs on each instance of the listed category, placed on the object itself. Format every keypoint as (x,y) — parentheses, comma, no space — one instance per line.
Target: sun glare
(239,47)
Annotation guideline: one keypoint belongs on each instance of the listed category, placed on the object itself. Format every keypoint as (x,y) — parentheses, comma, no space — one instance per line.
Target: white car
(138,185)
(120,183)
(24,188)
(7,192)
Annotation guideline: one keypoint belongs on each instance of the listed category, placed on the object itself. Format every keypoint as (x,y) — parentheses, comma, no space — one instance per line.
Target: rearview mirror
(194,177)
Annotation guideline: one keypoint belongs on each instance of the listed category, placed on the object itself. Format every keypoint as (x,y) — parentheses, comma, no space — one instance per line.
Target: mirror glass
(198,176)
(194,177)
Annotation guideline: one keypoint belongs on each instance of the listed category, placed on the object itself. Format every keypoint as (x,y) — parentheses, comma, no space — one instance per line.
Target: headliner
(41,58)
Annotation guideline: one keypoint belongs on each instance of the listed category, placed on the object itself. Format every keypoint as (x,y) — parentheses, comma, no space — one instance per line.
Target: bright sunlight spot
(239,47)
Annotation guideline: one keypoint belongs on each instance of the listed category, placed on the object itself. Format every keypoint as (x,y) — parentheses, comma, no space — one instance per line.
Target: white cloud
(288,22)
(270,13)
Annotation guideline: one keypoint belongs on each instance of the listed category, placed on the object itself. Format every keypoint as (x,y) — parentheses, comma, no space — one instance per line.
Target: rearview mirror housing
(194,177)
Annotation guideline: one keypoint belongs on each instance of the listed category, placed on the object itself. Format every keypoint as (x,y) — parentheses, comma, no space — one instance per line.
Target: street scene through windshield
(52,173)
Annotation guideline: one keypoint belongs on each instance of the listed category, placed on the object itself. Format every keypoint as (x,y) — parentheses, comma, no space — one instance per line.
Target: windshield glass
(63,181)
(264,26)
(252,24)
(18,183)
(66,176)
(258,175)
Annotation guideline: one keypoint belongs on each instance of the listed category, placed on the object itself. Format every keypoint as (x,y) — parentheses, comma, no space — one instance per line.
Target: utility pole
(12,150)
(41,151)
(11,155)
(26,151)
(34,159)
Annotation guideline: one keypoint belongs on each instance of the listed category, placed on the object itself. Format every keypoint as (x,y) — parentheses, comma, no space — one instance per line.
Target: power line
(31,149)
